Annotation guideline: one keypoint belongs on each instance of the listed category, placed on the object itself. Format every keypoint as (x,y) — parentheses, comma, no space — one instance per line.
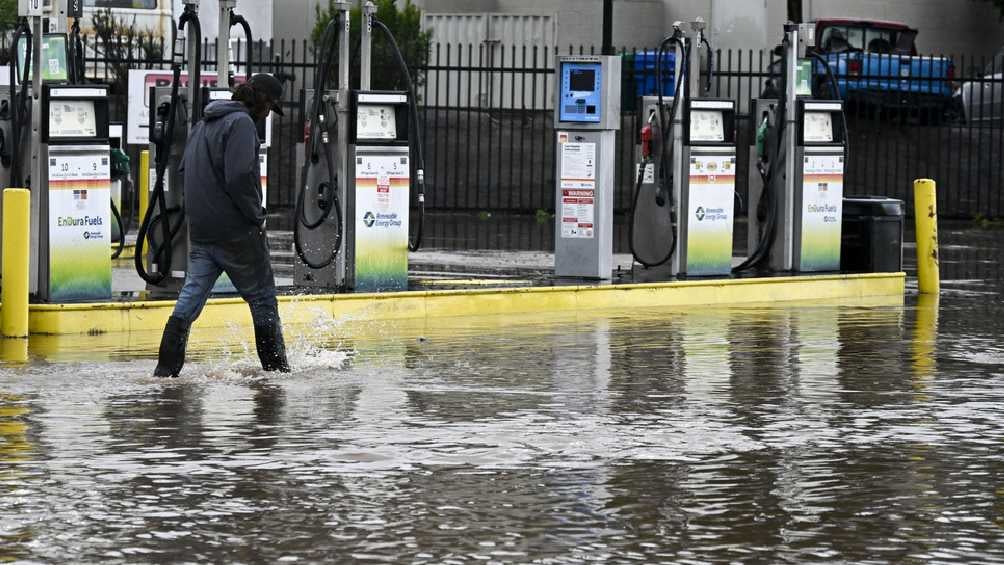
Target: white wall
(637,23)
(258,13)
(294,19)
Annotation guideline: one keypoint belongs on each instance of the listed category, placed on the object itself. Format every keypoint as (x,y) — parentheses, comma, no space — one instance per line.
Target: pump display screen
(818,127)
(582,80)
(376,122)
(580,92)
(707,125)
(72,118)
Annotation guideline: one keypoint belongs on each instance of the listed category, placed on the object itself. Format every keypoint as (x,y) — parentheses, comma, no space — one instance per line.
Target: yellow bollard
(14,351)
(924,345)
(144,183)
(16,246)
(925,212)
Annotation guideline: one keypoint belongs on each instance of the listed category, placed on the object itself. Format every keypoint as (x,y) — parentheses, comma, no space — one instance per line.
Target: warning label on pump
(578,204)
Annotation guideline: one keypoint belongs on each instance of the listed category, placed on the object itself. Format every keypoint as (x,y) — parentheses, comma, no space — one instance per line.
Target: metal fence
(488,125)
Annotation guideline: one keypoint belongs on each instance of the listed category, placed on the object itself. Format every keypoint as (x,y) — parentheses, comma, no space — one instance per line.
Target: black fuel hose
(191,16)
(76,54)
(18,101)
(711,61)
(161,253)
(237,19)
(634,208)
(327,191)
(767,172)
(664,196)
(419,150)
(118,220)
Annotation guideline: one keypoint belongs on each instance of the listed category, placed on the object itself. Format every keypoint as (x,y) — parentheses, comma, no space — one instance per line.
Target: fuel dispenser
(319,220)
(162,240)
(74,200)
(682,218)
(67,167)
(586,120)
(796,189)
(363,160)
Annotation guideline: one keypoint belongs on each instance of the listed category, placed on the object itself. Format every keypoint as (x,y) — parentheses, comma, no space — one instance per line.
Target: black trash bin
(872,238)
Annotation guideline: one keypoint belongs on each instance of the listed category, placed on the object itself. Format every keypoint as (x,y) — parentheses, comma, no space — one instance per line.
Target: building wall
(257,12)
(294,19)
(637,23)
(950,26)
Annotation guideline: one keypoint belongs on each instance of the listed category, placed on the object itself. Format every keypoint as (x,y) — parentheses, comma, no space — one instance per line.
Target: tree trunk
(795,11)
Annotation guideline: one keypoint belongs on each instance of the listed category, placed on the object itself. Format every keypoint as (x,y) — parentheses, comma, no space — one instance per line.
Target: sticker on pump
(578,205)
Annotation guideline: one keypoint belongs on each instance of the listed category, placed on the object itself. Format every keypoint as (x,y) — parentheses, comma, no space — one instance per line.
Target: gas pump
(67,168)
(682,218)
(351,227)
(74,193)
(796,189)
(163,230)
(586,119)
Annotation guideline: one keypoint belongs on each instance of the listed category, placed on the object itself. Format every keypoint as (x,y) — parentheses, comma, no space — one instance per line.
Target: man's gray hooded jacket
(223,197)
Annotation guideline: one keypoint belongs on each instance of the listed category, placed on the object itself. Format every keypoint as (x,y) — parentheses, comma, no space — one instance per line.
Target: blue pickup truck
(876,62)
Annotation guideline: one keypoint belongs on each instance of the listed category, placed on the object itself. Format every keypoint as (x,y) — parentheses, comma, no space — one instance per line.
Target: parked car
(982,101)
(876,62)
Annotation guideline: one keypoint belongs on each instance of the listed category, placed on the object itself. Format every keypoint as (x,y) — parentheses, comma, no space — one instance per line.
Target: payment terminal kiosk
(586,120)
(71,201)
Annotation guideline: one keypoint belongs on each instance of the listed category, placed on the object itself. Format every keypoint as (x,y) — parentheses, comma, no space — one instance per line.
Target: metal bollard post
(925,212)
(144,183)
(14,267)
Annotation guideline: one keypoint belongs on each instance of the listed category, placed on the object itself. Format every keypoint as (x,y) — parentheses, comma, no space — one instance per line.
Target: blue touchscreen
(580,92)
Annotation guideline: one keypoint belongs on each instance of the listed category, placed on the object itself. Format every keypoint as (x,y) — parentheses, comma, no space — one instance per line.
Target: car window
(872,40)
(856,37)
(879,40)
(834,39)
(905,43)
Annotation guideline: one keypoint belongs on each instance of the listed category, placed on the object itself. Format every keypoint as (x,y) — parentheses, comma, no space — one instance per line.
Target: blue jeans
(246,262)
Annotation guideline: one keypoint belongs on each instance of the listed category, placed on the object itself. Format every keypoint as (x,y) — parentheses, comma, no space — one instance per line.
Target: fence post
(925,212)
(14,265)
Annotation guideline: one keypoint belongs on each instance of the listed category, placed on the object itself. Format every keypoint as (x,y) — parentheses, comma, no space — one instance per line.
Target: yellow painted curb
(68,319)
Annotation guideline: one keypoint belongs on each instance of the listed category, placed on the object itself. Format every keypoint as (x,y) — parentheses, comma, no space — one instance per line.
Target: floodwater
(859,432)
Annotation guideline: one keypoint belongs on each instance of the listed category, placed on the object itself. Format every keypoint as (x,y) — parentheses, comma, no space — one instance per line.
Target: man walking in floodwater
(226,223)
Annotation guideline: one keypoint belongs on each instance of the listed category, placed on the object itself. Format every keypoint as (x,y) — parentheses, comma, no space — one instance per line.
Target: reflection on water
(804,432)
(866,431)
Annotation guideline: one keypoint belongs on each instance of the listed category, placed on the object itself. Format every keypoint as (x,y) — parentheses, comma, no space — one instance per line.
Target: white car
(982,101)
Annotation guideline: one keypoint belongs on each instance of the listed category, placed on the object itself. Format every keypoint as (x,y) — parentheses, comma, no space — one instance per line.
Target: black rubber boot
(172,348)
(271,347)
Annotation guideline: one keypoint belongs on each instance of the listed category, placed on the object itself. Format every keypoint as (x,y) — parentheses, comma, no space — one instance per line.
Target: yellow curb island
(111,317)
